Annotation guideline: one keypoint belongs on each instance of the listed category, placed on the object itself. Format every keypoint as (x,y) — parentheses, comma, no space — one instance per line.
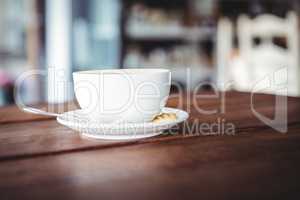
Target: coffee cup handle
(19,101)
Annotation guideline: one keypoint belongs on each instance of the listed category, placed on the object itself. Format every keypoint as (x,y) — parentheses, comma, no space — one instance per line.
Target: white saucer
(78,121)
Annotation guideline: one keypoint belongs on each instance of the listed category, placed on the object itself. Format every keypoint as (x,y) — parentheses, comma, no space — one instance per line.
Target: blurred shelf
(155,32)
(171,32)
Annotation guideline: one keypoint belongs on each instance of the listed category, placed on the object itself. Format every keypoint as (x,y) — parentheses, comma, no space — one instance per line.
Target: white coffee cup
(129,95)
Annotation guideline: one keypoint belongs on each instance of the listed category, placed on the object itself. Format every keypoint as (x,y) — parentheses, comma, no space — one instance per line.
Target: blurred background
(211,42)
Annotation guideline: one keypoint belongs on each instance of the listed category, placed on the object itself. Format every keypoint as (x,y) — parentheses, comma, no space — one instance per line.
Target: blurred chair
(261,65)
(267,60)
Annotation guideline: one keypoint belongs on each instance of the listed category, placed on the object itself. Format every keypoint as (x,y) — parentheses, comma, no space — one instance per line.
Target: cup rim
(130,71)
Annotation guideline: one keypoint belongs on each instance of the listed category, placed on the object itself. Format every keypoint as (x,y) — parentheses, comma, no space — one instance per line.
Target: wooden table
(40,159)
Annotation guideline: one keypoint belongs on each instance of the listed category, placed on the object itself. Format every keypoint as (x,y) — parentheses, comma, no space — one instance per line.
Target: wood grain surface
(40,159)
